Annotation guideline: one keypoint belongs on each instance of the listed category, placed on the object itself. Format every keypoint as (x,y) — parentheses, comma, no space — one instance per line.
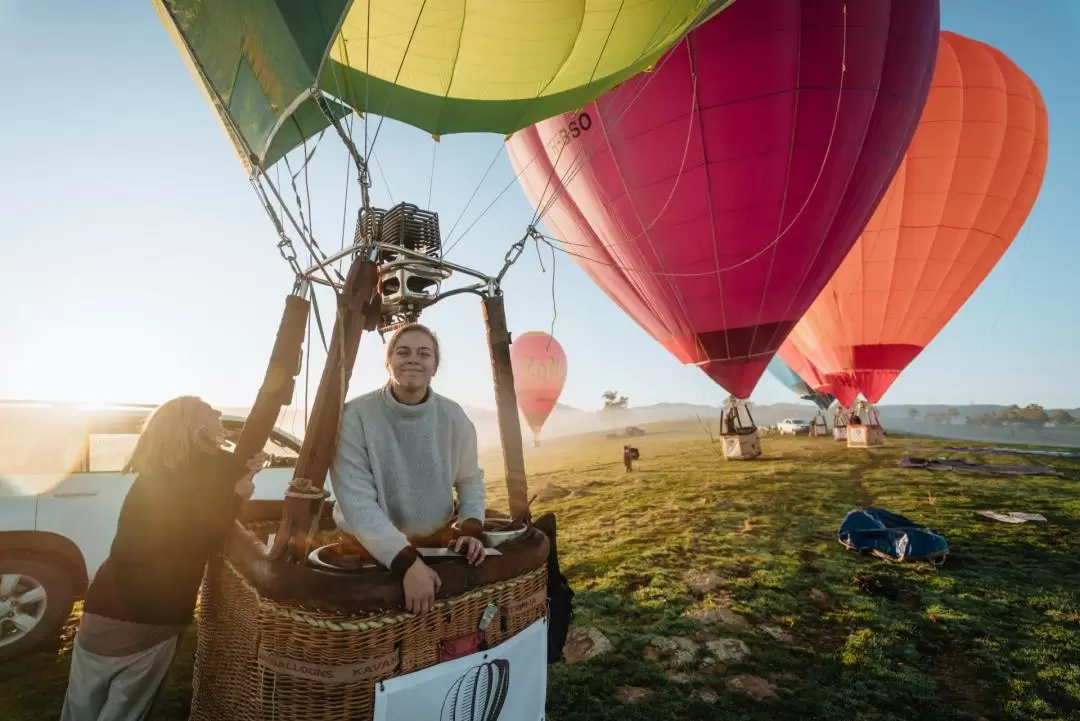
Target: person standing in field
(177,513)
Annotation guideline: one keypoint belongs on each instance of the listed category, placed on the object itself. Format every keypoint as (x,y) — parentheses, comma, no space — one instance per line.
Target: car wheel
(35,602)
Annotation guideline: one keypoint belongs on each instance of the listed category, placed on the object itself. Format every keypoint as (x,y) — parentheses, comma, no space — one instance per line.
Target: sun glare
(80,364)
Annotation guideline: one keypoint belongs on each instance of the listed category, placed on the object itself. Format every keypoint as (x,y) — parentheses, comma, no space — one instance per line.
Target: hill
(567,420)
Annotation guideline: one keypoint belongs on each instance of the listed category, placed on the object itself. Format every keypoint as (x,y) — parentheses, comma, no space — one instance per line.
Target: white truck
(61,490)
(793,427)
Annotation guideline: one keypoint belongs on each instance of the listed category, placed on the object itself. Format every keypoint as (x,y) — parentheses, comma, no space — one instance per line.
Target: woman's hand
(474,549)
(420,584)
(257,461)
(245,487)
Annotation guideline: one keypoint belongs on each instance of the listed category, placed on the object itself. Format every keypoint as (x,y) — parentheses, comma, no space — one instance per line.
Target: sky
(137,263)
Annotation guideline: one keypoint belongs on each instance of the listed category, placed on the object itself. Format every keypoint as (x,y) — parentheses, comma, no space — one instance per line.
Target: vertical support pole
(506,404)
(358,304)
(354,306)
(280,379)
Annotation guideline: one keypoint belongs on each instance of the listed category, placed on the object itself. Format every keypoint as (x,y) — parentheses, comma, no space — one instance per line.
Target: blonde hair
(418,327)
(170,436)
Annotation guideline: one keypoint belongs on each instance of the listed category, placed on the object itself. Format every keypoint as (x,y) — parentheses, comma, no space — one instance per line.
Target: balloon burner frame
(840,419)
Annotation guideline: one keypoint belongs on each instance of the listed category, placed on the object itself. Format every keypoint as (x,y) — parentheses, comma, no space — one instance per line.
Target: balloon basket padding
(284,640)
(865,436)
(741,446)
(839,433)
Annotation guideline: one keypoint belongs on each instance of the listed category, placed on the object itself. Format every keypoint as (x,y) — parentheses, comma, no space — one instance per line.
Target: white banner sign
(505,683)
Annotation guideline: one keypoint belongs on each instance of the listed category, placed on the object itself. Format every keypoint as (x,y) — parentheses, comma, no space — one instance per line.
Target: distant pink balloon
(539,365)
(713,198)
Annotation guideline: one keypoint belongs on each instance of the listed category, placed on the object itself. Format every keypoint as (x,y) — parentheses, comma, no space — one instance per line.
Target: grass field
(694,548)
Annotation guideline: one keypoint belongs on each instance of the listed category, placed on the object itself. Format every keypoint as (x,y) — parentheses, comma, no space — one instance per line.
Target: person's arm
(354,488)
(469,476)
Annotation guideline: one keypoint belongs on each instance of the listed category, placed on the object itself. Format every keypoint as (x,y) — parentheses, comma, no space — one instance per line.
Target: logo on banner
(479,694)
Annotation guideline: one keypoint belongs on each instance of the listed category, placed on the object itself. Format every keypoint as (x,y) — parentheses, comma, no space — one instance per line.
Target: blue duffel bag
(891,536)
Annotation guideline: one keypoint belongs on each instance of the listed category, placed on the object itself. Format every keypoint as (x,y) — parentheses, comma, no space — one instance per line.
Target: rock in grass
(584,643)
(755,687)
(702,582)
(679,677)
(551,492)
(718,615)
(776,632)
(706,695)
(728,650)
(631,694)
(674,651)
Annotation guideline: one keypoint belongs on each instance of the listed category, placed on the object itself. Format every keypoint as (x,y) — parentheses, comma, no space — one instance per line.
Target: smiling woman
(402,451)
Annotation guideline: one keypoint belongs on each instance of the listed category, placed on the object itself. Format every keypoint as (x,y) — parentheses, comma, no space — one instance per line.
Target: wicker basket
(261,660)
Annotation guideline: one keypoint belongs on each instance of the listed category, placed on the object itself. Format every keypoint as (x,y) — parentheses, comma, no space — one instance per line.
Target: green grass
(994,633)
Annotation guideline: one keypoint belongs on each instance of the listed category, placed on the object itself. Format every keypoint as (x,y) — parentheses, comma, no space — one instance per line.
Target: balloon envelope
(713,197)
(445,66)
(783,373)
(966,186)
(539,365)
(843,388)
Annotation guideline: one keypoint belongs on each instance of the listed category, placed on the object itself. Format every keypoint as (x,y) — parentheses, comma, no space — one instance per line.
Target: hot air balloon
(965,188)
(791,380)
(281,77)
(843,389)
(444,66)
(479,694)
(713,197)
(539,364)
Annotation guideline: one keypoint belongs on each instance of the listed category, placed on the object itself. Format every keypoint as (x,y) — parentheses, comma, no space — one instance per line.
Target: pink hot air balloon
(539,364)
(712,198)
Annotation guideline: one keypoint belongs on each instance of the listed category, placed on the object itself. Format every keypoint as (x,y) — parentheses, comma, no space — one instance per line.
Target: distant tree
(1034,415)
(952,413)
(613,401)
(913,413)
(1062,418)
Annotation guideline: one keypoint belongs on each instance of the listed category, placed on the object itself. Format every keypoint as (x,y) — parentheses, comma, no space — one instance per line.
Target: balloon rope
(745,261)
(476,190)
(551,242)
(431,175)
(382,116)
(787,180)
(540,202)
(541,206)
(686,326)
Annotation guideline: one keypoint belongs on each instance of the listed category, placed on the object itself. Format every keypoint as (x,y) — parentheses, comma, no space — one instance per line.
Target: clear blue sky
(137,263)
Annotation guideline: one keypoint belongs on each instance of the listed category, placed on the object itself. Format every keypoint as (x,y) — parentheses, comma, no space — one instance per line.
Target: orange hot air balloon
(966,185)
(539,364)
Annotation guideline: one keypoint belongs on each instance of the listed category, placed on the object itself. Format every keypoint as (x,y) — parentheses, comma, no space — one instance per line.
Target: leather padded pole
(358,306)
(354,306)
(280,379)
(506,405)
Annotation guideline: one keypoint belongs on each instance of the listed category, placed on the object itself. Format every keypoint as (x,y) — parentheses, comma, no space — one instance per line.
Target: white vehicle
(793,426)
(61,491)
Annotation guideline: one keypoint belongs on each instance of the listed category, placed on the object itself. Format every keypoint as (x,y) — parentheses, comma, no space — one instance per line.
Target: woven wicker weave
(259,660)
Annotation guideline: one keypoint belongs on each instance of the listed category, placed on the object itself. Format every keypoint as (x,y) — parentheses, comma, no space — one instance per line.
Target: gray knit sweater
(397,466)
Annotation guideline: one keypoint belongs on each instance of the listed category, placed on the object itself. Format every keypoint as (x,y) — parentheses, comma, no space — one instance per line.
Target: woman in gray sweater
(402,451)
